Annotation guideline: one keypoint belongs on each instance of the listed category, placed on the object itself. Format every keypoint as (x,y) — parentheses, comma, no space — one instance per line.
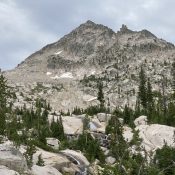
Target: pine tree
(118,145)
(4,92)
(173,76)
(2,122)
(4,95)
(40,161)
(61,129)
(86,123)
(100,95)
(164,159)
(150,101)
(29,153)
(127,115)
(57,129)
(164,98)
(142,89)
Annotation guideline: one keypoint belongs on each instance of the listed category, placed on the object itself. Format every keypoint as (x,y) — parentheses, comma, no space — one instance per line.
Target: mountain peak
(124,29)
(147,34)
(89,22)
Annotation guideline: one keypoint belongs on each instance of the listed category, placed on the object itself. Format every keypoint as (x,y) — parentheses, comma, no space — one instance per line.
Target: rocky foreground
(12,159)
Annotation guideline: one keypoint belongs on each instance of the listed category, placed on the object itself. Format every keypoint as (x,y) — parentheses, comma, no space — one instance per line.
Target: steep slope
(71,53)
(92,52)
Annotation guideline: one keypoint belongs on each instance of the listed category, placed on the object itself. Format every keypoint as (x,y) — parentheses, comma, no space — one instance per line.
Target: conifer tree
(4,92)
(4,95)
(150,102)
(142,89)
(127,115)
(29,153)
(173,76)
(2,122)
(57,129)
(164,159)
(40,161)
(100,95)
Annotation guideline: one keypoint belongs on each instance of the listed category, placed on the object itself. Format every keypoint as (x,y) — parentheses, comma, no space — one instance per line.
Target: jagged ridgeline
(94,52)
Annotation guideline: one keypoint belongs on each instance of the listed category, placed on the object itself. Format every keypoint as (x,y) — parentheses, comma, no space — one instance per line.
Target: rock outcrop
(6,171)
(142,120)
(110,160)
(12,158)
(154,136)
(44,170)
(90,52)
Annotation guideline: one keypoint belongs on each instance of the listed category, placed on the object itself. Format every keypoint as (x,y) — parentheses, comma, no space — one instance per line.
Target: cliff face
(92,52)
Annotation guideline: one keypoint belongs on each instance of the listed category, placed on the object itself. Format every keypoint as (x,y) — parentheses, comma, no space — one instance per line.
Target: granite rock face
(142,120)
(6,171)
(68,69)
(12,158)
(153,136)
(45,170)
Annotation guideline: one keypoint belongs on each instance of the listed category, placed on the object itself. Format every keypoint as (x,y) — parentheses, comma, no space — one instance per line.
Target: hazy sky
(28,25)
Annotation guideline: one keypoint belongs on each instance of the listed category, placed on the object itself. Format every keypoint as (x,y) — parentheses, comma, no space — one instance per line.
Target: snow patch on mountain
(64,75)
(67,75)
(89,98)
(49,73)
(55,77)
(57,53)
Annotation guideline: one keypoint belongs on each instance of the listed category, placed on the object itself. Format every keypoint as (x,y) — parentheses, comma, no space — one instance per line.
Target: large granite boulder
(51,159)
(155,136)
(54,143)
(12,158)
(102,117)
(44,170)
(72,125)
(110,160)
(6,171)
(142,120)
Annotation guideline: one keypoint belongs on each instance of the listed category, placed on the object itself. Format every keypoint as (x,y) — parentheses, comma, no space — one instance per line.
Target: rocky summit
(67,70)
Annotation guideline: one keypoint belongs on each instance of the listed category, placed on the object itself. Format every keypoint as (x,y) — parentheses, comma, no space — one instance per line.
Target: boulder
(106,152)
(102,117)
(72,125)
(76,155)
(54,143)
(121,121)
(12,158)
(142,120)
(51,159)
(110,160)
(6,171)
(44,170)
(97,126)
(155,136)
(70,170)
(127,133)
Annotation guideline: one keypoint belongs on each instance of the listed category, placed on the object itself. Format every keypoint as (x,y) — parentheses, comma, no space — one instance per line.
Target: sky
(28,25)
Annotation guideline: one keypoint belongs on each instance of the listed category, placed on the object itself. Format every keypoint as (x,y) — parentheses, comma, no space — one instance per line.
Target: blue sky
(28,25)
